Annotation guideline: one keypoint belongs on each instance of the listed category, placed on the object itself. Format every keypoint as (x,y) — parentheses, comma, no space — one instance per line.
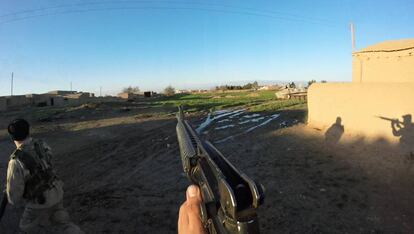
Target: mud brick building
(381,91)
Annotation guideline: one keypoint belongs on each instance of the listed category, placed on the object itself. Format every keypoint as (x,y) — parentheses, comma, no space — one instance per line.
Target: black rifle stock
(230,198)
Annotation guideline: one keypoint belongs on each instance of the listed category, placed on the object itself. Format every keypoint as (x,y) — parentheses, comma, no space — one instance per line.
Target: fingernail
(192,191)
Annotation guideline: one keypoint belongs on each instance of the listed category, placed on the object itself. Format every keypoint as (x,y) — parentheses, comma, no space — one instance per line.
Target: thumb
(193,203)
(193,195)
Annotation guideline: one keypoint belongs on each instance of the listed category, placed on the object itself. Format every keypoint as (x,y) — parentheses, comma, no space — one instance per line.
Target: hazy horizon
(201,86)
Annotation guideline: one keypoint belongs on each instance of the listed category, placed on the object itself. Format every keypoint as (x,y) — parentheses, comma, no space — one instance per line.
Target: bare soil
(122,172)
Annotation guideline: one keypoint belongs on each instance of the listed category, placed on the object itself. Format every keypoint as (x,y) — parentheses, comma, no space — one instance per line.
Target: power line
(163,8)
(241,11)
(163,1)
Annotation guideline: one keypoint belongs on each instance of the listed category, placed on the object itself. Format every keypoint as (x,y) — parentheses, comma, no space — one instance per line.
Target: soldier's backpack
(41,178)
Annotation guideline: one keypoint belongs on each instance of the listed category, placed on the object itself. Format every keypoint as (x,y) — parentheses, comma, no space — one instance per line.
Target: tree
(131,89)
(255,85)
(169,90)
(247,86)
(323,81)
(311,82)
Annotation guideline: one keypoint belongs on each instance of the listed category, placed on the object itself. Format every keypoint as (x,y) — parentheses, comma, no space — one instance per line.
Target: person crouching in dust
(32,183)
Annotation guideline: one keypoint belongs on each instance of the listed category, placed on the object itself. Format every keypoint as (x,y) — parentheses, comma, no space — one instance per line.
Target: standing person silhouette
(334,133)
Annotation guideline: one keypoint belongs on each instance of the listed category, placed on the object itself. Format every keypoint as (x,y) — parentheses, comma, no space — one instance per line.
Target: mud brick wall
(359,105)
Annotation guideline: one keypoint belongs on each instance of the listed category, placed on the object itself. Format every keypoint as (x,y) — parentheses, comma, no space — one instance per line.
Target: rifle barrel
(389,119)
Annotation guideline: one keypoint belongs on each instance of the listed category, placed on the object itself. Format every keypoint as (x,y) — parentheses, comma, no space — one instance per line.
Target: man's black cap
(19,129)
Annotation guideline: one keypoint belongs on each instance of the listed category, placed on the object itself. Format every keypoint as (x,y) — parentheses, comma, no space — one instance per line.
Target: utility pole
(71,86)
(11,86)
(100,91)
(351,25)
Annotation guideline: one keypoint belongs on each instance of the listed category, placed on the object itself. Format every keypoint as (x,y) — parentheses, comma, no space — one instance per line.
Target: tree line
(248,86)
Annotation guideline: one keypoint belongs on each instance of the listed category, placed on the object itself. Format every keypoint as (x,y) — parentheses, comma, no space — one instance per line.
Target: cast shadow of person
(334,132)
(405,131)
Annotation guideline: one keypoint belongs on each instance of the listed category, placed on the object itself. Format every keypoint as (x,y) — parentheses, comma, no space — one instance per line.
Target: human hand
(189,219)
(395,122)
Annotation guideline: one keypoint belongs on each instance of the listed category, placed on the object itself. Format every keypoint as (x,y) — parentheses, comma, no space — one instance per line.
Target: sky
(49,44)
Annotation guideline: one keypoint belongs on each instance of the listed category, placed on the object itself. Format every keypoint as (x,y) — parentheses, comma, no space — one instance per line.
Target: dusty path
(126,177)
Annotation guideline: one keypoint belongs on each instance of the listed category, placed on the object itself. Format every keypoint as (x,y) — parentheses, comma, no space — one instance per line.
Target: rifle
(389,119)
(3,205)
(230,198)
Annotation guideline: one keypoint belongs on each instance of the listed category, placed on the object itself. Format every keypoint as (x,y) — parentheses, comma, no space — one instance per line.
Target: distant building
(79,95)
(44,99)
(199,91)
(53,98)
(149,94)
(182,91)
(382,88)
(17,101)
(61,92)
(71,97)
(128,96)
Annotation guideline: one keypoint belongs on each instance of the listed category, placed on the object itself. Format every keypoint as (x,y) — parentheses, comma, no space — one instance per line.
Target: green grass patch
(216,100)
(256,101)
(279,105)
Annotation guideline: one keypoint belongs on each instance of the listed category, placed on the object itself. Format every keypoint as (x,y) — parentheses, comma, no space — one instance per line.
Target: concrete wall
(359,106)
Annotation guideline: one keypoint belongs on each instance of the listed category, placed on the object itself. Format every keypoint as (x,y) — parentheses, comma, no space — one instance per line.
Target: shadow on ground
(128,178)
(318,186)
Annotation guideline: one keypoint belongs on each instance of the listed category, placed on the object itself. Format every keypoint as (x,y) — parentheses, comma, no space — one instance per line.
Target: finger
(195,225)
(193,195)
(182,219)
(193,203)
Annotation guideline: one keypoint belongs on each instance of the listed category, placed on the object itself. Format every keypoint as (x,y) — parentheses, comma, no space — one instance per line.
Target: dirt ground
(123,174)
